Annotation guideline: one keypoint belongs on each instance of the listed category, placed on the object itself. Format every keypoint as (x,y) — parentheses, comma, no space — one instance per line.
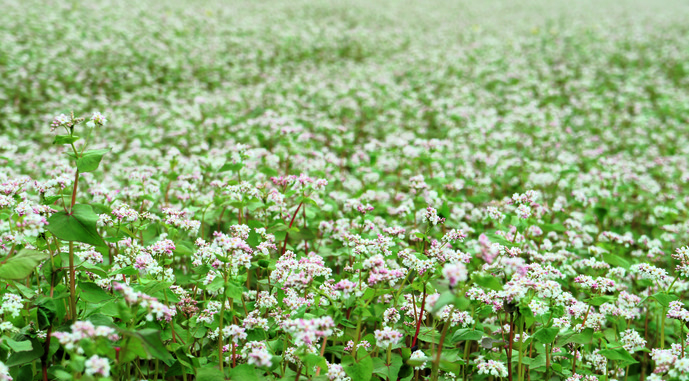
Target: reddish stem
(418,323)
(306,243)
(284,245)
(44,359)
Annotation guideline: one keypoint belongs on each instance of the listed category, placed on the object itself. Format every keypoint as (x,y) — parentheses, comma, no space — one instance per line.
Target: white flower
(98,119)
(97,365)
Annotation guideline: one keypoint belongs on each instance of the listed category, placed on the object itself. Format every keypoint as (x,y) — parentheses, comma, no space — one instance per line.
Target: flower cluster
(151,304)
(308,331)
(83,330)
(329,194)
(387,336)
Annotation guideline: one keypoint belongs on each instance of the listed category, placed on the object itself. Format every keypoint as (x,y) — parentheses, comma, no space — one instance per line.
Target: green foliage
(79,225)
(22,264)
(90,160)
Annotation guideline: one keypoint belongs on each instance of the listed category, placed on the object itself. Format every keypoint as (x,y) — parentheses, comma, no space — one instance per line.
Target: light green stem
(72,283)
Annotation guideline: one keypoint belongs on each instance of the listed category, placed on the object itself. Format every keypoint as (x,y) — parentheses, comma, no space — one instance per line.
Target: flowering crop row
(306,191)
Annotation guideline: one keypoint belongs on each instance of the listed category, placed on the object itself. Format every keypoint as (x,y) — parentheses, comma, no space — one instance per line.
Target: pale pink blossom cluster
(308,331)
(299,273)
(5,372)
(579,377)
(84,330)
(492,368)
(631,340)
(361,345)
(677,311)
(380,272)
(96,365)
(256,353)
(387,336)
(432,217)
(154,307)
(98,118)
(336,373)
(181,219)
(455,273)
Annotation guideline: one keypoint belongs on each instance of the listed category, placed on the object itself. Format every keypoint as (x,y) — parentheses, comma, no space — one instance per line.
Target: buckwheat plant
(344,191)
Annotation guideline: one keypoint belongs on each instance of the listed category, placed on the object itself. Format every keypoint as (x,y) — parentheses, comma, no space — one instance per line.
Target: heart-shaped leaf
(79,226)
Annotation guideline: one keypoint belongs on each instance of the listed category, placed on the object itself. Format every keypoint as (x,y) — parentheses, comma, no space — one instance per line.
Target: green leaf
(79,226)
(22,264)
(23,373)
(92,293)
(231,167)
(444,211)
(405,372)
(209,374)
(48,200)
(90,160)
(100,319)
(584,337)
(388,372)
(312,360)
(361,370)
(149,338)
(664,299)
(18,346)
(215,285)
(233,291)
(155,286)
(58,372)
(244,372)
(619,354)
(616,260)
(466,334)
(303,234)
(554,227)
(65,139)
(490,282)
(46,311)
(445,298)
(547,335)
(307,200)
(599,300)
(253,239)
(600,212)
(20,358)
(429,335)
(126,271)
(90,267)
(537,362)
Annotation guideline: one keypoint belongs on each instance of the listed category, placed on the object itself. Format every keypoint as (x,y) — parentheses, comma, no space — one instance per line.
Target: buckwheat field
(344,190)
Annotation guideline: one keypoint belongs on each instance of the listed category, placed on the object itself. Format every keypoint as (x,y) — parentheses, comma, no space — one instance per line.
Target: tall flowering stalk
(62,224)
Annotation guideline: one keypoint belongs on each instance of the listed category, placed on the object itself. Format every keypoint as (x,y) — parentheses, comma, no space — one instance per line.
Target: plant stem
(325,340)
(662,328)
(72,283)
(284,245)
(389,362)
(436,362)
(418,323)
(520,371)
(298,374)
(467,347)
(220,356)
(509,348)
(547,361)
(669,288)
